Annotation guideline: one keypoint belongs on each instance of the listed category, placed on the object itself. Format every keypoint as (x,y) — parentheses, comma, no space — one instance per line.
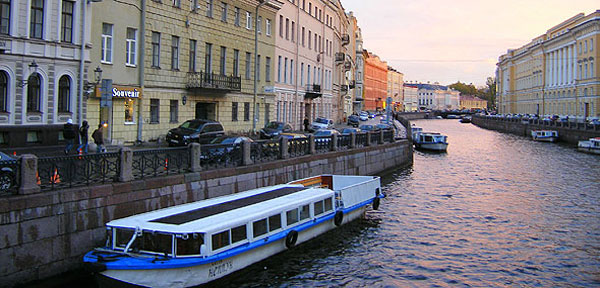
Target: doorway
(307,111)
(206,111)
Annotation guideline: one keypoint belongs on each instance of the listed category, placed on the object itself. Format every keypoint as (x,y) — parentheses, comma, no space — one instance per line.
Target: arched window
(33,93)
(64,93)
(3,92)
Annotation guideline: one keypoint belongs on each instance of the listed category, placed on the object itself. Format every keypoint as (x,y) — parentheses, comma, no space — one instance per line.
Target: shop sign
(125,92)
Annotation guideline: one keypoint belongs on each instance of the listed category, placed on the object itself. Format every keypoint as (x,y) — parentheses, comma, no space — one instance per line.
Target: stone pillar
(247,153)
(126,164)
(352,140)
(311,144)
(29,176)
(381,139)
(195,152)
(334,142)
(283,148)
(368,138)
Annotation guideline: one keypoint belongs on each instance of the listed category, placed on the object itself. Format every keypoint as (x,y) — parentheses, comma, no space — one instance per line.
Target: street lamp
(255,118)
(32,69)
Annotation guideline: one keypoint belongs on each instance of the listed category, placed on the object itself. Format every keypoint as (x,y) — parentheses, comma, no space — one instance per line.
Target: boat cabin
(432,138)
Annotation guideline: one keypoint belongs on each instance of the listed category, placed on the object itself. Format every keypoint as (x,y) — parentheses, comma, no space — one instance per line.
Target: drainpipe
(141,69)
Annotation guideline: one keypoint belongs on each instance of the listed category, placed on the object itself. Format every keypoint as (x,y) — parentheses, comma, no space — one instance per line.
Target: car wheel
(7,180)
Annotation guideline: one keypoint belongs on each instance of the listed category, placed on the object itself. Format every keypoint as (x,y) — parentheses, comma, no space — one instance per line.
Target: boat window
(238,234)
(328,204)
(318,207)
(304,212)
(109,237)
(155,242)
(259,227)
(274,222)
(123,237)
(220,240)
(191,245)
(292,216)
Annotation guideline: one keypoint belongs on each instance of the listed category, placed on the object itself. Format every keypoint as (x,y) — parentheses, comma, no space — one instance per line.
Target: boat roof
(223,212)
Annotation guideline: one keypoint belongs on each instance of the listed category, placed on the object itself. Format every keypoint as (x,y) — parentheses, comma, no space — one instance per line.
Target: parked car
(348,131)
(353,120)
(326,132)
(231,140)
(274,128)
(321,123)
(382,126)
(7,174)
(292,135)
(371,115)
(364,116)
(368,127)
(196,130)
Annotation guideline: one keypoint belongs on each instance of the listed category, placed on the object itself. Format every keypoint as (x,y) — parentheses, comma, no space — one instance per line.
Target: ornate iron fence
(298,147)
(156,162)
(264,151)
(323,144)
(78,170)
(343,142)
(10,176)
(374,138)
(361,140)
(388,136)
(215,156)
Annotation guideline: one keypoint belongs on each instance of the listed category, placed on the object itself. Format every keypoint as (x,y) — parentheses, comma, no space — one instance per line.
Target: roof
(429,86)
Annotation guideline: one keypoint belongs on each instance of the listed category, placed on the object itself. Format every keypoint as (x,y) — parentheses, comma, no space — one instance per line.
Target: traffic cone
(55,178)
(80,152)
(166,164)
(37,176)
(14,153)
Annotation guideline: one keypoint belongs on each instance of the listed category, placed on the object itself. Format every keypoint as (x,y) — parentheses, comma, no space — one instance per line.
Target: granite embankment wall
(47,233)
(568,132)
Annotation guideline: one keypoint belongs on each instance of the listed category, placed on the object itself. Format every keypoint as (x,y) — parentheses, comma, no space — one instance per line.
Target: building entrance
(206,111)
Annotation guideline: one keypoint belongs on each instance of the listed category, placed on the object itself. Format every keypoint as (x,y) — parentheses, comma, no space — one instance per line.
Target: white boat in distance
(431,141)
(544,135)
(195,243)
(589,146)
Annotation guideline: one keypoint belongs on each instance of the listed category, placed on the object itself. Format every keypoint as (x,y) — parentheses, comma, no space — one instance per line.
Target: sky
(448,41)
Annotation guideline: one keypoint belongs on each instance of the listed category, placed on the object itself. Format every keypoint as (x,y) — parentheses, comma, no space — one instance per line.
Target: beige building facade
(395,89)
(411,98)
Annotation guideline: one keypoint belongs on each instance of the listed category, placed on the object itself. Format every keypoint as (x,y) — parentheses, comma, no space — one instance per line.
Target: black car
(7,174)
(197,130)
(274,128)
(353,120)
(368,127)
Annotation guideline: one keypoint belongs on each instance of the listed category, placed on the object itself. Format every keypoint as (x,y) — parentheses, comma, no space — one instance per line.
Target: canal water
(496,210)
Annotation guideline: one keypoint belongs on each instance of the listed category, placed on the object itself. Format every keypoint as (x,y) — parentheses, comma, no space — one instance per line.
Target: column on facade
(574,62)
(563,65)
(568,64)
(556,67)
(547,71)
(551,81)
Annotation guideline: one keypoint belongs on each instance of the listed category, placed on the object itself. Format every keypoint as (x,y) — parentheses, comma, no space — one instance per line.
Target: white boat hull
(433,146)
(586,146)
(201,274)
(545,139)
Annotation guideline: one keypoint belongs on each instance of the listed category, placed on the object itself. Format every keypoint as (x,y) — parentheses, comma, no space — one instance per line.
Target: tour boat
(544,135)
(431,141)
(198,242)
(415,130)
(589,146)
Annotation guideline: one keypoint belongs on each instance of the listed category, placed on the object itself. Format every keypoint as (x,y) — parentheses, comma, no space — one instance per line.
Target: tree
(491,93)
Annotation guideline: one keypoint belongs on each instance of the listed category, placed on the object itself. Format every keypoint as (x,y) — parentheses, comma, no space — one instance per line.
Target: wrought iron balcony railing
(213,81)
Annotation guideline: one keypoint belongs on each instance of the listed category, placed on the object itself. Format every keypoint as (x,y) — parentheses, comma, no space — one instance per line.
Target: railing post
(381,139)
(195,153)
(393,138)
(352,140)
(126,164)
(29,165)
(334,142)
(368,139)
(246,153)
(283,148)
(311,144)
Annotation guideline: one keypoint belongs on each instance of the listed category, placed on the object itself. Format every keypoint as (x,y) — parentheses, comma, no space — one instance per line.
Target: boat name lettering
(219,268)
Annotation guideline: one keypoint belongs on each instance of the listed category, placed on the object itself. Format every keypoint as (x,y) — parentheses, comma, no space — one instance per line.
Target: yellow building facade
(556,73)
(472,102)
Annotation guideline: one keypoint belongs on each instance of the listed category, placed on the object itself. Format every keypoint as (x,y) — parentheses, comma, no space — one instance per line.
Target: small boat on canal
(544,135)
(195,243)
(589,146)
(431,141)
(465,119)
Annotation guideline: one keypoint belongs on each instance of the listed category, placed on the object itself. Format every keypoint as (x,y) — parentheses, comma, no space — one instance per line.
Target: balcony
(340,57)
(313,91)
(212,81)
(345,39)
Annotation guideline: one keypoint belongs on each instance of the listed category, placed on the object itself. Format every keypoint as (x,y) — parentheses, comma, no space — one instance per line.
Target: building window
(302,74)
(208,58)
(174,111)
(246,111)
(285,66)
(309,40)
(237,16)
(224,9)
(280,26)
(308,75)
(259,24)
(268,69)
(248,20)
(293,31)
(268,27)
(3,91)
(4,17)
(302,36)
(66,22)
(192,56)
(107,34)
(279,69)
(209,8)
(130,47)
(37,19)
(234,111)
(291,71)
(287,29)
(177,3)
(33,93)
(248,64)
(154,110)
(174,53)
(155,49)
(236,62)
(129,106)
(257,67)
(267,112)
(64,93)
(223,60)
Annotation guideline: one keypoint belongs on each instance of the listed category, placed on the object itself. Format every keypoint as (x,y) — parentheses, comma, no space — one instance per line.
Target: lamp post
(32,68)
(255,118)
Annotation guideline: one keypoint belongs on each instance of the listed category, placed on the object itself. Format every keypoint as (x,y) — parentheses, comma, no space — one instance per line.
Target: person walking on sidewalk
(306,123)
(69,135)
(98,138)
(83,135)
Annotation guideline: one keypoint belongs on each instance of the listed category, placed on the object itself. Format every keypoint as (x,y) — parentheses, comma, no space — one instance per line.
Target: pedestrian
(69,135)
(306,123)
(98,138)
(83,135)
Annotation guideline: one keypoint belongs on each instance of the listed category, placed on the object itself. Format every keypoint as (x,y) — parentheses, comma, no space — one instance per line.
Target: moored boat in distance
(195,243)
(465,119)
(589,146)
(431,141)
(544,135)
(415,130)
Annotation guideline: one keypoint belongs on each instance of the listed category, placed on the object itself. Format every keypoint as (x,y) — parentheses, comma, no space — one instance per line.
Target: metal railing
(213,81)
(221,155)
(343,142)
(298,147)
(388,136)
(361,140)
(323,144)
(10,177)
(157,162)
(264,151)
(574,125)
(79,170)
(374,138)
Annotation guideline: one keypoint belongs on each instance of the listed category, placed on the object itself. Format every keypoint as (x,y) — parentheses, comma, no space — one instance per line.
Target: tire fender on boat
(338,218)
(376,203)
(291,238)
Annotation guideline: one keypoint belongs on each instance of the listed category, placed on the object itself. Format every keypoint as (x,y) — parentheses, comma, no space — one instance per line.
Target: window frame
(155,49)
(66,22)
(154,111)
(173,113)
(106,50)
(130,47)
(64,94)
(36,21)
(175,53)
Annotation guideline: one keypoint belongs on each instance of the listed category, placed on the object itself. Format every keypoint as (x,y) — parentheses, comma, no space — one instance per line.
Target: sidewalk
(58,150)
